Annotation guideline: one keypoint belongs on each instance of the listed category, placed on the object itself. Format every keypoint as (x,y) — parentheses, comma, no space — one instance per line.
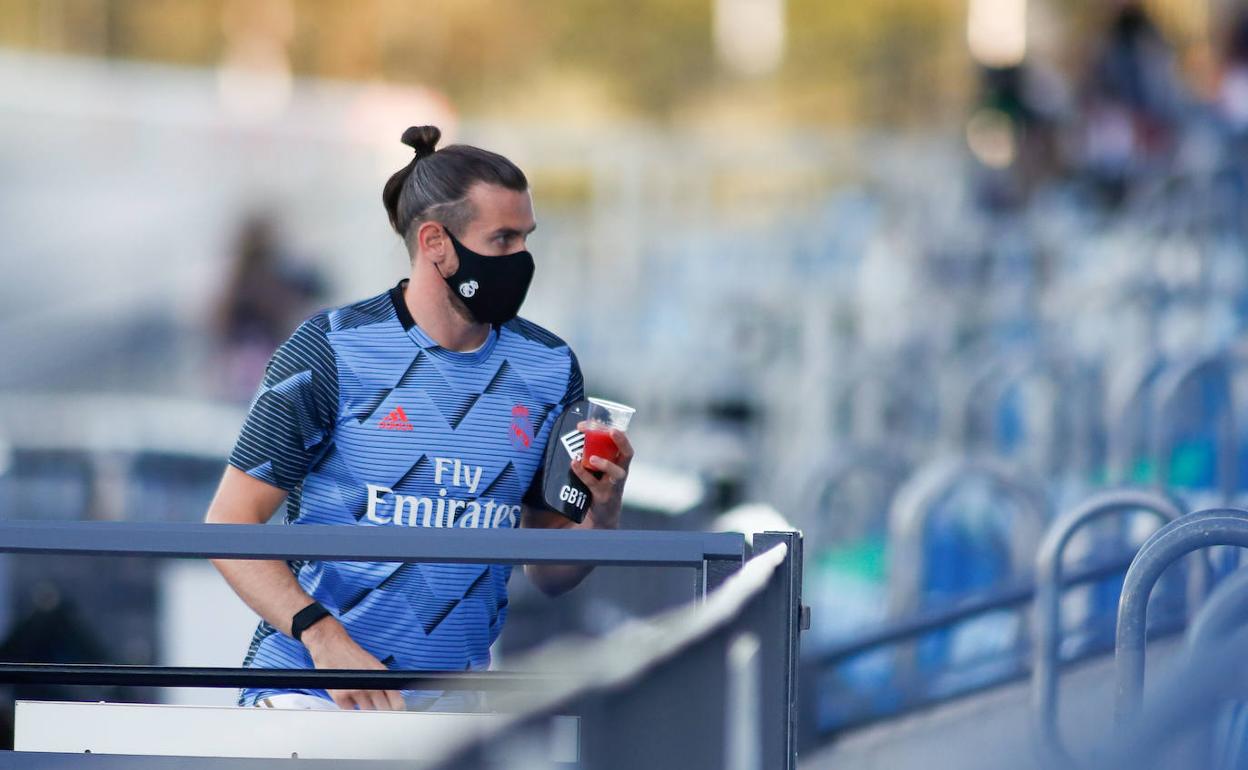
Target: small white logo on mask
(467,289)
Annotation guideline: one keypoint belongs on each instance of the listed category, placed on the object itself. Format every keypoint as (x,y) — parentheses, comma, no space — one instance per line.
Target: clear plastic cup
(602,416)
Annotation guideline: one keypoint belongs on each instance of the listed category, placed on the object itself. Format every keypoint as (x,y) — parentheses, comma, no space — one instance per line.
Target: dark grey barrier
(1046,655)
(714,556)
(39,760)
(397,544)
(699,688)
(96,675)
(1224,526)
(709,685)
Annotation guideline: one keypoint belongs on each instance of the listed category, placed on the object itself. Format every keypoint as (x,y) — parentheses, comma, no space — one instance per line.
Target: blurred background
(983,254)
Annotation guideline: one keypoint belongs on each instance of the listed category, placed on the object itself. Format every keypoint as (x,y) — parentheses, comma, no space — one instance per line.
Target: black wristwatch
(305,617)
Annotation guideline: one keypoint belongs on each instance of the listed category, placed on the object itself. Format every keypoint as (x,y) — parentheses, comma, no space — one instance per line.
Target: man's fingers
(625,446)
(365,700)
(612,471)
(612,475)
(379,700)
(344,698)
(387,700)
(583,474)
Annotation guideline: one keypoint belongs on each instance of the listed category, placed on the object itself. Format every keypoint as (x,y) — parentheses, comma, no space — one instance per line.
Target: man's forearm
(556,579)
(267,587)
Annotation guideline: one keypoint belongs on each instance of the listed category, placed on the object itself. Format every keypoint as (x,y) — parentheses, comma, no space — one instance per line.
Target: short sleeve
(574,392)
(291,419)
(576,385)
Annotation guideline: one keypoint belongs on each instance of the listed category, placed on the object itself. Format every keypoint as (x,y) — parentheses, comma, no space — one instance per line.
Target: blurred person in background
(1132,100)
(1232,95)
(267,294)
(1013,133)
(429,404)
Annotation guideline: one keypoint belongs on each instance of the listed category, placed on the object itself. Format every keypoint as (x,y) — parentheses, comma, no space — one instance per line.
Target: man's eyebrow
(511,232)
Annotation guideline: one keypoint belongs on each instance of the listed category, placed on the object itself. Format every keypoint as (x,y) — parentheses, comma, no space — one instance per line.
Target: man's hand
(604,513)
(607,492)
(332,647)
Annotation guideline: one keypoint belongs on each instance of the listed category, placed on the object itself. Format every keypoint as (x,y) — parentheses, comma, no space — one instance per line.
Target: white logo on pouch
(468,288)
(569,494)
(574,442)
(386,507)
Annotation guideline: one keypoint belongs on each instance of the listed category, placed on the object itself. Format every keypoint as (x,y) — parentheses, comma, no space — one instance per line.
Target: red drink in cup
(602,416)
(598,443)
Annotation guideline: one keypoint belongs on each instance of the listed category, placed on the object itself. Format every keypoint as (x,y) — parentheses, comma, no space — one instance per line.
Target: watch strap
(305,617)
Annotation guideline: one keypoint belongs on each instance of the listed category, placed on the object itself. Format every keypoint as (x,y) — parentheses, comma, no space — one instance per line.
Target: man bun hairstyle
(434,184)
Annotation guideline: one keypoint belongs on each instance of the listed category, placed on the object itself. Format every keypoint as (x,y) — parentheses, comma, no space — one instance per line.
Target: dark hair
(435,184)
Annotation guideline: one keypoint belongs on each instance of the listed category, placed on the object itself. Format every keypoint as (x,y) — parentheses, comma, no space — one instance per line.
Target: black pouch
(562,491)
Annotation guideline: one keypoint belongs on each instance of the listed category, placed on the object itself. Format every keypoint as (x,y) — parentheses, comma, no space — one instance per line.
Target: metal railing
(764,607)
(1046,654)
(1224,614)
(699,688)
(1173,729)
(911,696)
(918,500)
(1204,529)
(900,688)
(1171,386)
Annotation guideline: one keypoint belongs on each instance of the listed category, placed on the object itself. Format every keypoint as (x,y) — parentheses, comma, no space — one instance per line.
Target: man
(427,405)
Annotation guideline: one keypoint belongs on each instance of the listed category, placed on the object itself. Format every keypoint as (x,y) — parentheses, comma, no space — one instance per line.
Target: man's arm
(606,496)
(269,588)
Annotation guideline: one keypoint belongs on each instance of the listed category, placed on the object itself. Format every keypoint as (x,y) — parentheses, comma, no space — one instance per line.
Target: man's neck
(430,305)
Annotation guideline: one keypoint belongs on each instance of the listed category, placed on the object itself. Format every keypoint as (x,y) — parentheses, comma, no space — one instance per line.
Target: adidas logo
(574,442)
(396,420)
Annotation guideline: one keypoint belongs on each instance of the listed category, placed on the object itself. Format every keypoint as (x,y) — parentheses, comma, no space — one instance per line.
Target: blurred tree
(889,60)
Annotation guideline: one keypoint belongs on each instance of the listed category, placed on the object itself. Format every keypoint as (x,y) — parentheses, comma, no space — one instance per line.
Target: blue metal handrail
(1170,386)
(1046,656)
(1122,435)
(1014,597)
(886,463)
(915,503)
(1219,526)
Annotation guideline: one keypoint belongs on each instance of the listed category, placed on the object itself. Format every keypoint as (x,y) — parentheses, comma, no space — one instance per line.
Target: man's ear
(431,241)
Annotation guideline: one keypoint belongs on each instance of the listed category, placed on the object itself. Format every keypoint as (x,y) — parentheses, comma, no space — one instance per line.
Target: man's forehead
(498,207)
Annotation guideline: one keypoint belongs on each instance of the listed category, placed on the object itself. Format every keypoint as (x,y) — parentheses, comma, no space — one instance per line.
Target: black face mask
(492,288)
